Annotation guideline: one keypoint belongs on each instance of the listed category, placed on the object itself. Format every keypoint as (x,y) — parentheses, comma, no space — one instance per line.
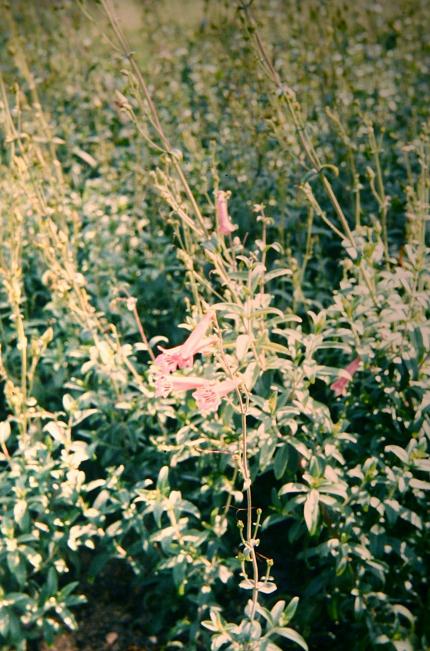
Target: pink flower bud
(340,386)
(225,225)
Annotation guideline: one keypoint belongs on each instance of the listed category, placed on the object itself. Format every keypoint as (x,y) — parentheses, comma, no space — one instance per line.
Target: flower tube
(183,356)
(224,223)
(166,384)
(340,386)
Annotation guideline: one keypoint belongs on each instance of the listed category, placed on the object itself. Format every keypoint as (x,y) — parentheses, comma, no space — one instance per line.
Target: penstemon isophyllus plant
(364,249)
(168,188)
(288,105)
(328,460)
(232,378)
(44,491)
(242,280)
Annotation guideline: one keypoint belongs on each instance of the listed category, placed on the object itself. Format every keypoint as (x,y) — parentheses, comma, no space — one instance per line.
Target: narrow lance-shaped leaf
(311,511)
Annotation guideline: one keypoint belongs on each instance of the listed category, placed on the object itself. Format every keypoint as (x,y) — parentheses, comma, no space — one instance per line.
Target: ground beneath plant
(103,627)
(108,621)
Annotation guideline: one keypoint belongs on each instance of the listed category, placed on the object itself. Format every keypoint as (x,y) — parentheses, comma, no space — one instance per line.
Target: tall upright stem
(153,113)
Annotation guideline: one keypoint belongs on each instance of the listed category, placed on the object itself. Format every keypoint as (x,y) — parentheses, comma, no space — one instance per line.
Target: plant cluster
(259,176)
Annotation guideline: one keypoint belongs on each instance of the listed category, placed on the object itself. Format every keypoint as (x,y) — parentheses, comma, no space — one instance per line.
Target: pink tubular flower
(183,356)
(165,384)
(225,225)
(209,396)
(340,386)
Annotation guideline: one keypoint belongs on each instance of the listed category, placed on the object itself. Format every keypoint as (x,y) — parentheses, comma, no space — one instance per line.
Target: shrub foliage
(248,186)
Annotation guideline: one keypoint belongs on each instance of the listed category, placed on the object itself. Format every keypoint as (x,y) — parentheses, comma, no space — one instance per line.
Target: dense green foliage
(311,479)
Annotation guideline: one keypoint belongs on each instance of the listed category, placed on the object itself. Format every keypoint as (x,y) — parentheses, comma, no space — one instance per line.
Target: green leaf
(291,635)
(163,480)
(157,512)
(422,464)
(20,513)
(219,641)
(246,584)
(4,622)
(281,460)
(311,511)
(277,611)
(398,451)
(242,345)
(420,484)
(411,517)
(290,610)
(418,343)
(399,609)
(15,630)
(293,487)
(255,276)
(52,581)
(266,587)
(4,431)
(19,571)
(277,273)
(57,430)
(68,589)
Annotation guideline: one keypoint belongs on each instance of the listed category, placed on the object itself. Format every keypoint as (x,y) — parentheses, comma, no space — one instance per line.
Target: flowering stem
(287,97)
(229,498)
(250,542)
(153,113)
(191,270)
(244,467)
(132,306)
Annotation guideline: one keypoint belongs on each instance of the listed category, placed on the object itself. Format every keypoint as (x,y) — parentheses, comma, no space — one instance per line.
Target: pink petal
(206,345)
(186,383)
(227,386)
(168,360)
(207,399)
(182,356)
(339,387)
(185,362)
(163,386)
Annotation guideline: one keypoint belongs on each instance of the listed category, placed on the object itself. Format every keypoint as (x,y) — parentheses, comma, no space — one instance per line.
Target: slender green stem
(250,542)
(287,96)
(244,466)
(380,193)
